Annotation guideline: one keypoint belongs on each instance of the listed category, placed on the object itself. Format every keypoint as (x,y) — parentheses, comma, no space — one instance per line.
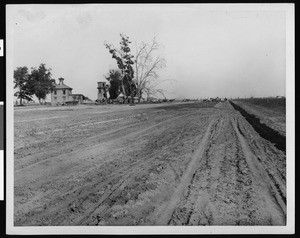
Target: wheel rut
(232,185)
(166,212)
(264,179)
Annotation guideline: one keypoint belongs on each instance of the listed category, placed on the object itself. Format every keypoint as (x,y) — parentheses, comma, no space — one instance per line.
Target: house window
(55,92)
(64,91)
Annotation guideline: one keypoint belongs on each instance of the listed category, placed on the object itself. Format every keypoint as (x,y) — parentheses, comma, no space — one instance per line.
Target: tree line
(135,75)
(37,82)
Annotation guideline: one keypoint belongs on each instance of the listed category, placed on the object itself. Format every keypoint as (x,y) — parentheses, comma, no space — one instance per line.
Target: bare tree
(152,90)
(147,64)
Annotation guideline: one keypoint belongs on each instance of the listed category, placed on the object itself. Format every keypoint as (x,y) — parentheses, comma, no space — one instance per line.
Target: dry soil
(162,164)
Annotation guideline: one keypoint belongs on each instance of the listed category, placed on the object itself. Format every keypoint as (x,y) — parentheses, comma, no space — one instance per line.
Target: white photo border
(66,230)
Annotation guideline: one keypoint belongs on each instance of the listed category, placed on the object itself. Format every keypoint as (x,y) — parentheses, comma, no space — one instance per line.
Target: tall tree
(21,81)
(114,78)
(147,64)
(124,62)
(41,81)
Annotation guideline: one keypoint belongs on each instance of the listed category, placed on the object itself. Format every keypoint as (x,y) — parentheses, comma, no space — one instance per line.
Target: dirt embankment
(262,129)
(272,116)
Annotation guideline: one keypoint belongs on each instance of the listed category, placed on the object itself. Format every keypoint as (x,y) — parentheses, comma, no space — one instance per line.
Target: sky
(211,50)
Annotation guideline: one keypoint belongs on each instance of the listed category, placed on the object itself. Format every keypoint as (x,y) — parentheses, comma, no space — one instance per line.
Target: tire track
(276,202)
(43,118)
(274,174)
(228,188)
(220,192)
(166,212)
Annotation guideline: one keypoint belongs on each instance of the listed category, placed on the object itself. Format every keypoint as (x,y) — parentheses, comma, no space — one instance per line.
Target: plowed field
(163,164)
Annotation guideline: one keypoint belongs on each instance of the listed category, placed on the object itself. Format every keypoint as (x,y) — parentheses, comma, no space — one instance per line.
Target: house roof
(62,86)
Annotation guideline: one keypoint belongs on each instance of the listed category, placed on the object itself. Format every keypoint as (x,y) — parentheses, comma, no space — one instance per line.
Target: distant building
(61,93)
(77,97)
(102,91)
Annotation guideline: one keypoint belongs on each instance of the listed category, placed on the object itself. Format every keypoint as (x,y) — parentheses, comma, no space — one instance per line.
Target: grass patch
(268,102)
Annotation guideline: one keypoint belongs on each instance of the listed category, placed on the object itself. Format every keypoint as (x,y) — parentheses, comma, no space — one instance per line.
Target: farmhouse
(62,94)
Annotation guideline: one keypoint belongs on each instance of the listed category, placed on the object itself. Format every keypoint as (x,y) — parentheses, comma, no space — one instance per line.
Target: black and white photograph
(150,118)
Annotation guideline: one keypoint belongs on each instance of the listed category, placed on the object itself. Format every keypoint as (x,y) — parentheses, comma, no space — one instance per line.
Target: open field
(273,103)
(270,111)
(155,164)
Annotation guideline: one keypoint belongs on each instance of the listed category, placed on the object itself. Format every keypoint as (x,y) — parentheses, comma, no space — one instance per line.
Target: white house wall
(60,97)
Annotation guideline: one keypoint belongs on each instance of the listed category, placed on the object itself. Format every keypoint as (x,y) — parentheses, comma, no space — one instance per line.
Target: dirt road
(167,164)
